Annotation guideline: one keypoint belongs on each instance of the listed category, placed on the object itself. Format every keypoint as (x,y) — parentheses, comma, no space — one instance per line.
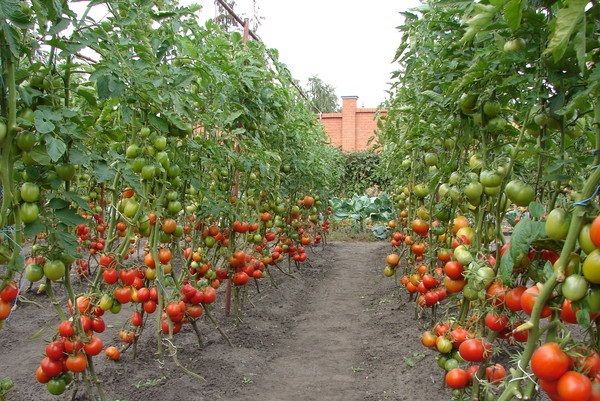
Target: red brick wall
(332,122)
(351,129)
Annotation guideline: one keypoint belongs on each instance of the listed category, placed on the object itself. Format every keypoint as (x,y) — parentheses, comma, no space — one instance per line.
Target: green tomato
(557,224)
(585,241)
(519,193)
(431,159)
(148,172)
(138,164)
(132,151)
(174,207)
(467,102)
(591,267)
(30,192)
(575,287)
(451,364)
(421,190)
(475,162)
(514,45)
(115,308)
(593,300)
(490,178)
(473,191)
(441,361)
(144,132)
(174,172)
(34,273)
(443,345)
(160,143)
(106,302)
(163,159)
(29,212)
(497,125)
(178,232)
(469,292)
(26,141)
(172,195)
(65,172)
(54,269)
(491,109)
(56,386)
(131,208)
(210,241)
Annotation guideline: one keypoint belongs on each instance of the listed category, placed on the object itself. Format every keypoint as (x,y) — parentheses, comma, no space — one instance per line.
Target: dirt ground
(338,331)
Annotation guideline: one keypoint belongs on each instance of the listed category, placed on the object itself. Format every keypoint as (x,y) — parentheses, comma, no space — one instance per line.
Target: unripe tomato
(30,192)
(591,267)
(29,212)
(575,287)
(54,269)
(557,224)
(34,272)
(585,240)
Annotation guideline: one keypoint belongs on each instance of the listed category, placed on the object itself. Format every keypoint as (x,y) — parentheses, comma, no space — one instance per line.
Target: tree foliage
(321,95)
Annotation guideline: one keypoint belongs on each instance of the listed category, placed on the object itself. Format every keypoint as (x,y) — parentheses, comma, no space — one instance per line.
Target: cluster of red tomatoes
(567,377)
(8,294)
(70,351)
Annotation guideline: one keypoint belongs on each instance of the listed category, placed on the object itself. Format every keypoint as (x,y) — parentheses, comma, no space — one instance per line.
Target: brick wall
(351,129)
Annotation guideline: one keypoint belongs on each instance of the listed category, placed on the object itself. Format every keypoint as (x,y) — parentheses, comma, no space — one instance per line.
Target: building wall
(351,129)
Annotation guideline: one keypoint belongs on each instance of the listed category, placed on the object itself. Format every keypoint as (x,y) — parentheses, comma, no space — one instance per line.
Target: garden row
(492,141)
(150,161)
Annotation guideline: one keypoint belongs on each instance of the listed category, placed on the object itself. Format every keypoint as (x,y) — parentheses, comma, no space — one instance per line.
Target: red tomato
(574,386)
(94,346)
(51,368)
(454,270)
(512,299)
(457,378)
(549,362)
(55,350)
(496,322)
(9,292)
(528,300)
(459,335)
(595,231)
(474,350)
(66,329)
(495,373)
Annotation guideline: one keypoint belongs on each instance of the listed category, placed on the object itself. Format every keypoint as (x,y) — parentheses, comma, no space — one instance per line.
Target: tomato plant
(508,221)
(161,175)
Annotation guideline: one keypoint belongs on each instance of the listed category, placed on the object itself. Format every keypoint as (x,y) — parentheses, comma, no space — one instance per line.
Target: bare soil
(338,331)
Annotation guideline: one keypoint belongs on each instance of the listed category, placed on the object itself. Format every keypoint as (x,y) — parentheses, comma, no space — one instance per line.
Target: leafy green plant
(363,207)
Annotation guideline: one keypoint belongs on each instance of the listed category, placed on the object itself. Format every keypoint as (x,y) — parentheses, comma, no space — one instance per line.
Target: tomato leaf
(42,123)
(55,147)
(40,155)
(536,209)
(567,19)
(103,172)
(158,123)
(513,12)
(579,42)
(73,197)
(69,217)
(57,203)
(583,318)
(67,242)
(34,228)
(524,234)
